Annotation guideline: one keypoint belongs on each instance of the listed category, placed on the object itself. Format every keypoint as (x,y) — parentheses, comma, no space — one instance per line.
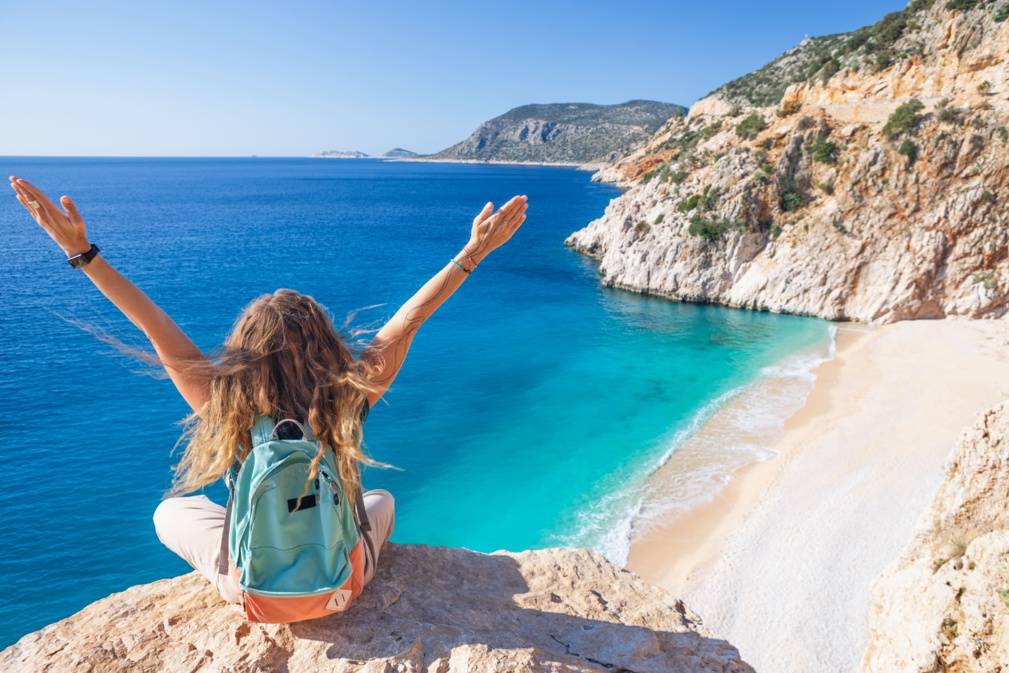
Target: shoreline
(779,562)
(684,544)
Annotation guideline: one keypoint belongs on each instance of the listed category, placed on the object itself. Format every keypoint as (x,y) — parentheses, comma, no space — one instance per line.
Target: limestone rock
(430,609)
(944,604)
(809,208)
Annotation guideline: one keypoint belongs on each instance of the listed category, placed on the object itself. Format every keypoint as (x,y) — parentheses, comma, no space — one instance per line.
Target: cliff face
(428,609)
(578,133)
(944,604)
(871,192)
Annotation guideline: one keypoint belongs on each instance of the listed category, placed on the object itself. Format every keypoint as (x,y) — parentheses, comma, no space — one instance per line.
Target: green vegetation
(652,174)
(947,114)
(766,144)
(1002,14)
(710,230)
(791,201)
(904,118)
(950,628)
(827,188)
(677,177)
(987,197)
(641,227)
(823,151)
(659,218)
(909,150)
(831,68)
(702,202)
(984,87)
(711,129)
(805,123)
(1004,594)
(1003,133)
(751,126)
(987,281)
(775,231)
(789,108)
(963,4)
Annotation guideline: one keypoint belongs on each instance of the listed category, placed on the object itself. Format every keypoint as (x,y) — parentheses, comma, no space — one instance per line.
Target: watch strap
(83,259)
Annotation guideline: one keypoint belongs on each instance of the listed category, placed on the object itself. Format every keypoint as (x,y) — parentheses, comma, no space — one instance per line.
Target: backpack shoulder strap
(362,514)
(262,430)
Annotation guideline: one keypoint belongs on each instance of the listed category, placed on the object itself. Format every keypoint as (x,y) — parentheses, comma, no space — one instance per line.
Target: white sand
(780,564)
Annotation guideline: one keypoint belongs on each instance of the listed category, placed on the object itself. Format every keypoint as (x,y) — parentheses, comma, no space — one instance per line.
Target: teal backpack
(294,554)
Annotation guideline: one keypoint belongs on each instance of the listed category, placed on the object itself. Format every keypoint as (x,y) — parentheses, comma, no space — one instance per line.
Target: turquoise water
(529,412)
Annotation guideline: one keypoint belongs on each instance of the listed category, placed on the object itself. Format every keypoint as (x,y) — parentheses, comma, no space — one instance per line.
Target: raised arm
(170,343)
(388,349)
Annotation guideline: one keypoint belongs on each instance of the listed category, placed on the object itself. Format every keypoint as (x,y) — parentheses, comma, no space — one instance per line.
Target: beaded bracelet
(464,269)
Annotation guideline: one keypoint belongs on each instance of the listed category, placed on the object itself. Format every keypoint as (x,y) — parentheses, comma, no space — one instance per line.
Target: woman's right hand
(66,228)
(491,231)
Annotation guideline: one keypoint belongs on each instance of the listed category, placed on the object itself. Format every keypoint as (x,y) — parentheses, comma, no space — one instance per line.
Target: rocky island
(337,154)
(399,153)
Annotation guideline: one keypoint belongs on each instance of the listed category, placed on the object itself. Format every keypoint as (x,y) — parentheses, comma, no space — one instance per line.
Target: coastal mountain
(569,133)
(337,154)
(873,187)
(399,153)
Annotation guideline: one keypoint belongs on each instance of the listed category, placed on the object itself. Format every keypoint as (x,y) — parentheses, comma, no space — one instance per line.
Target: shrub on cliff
(823,151)
(904,118)
(789,108)
(703,201)
(791,201)
(710,230)
(909,150)
(751,126)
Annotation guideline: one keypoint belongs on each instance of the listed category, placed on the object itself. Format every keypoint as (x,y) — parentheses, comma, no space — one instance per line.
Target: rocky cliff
(428,609)
(875,189)
(944,604)
(572,133)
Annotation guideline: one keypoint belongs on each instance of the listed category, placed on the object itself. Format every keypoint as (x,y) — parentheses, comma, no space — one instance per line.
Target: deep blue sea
(529,413)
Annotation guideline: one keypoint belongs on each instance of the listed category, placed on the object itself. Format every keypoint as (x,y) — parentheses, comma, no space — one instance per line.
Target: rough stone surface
(943,605)
(820,212)
(431,609)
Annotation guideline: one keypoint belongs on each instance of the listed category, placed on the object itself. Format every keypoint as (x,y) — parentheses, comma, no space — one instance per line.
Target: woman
(284,359)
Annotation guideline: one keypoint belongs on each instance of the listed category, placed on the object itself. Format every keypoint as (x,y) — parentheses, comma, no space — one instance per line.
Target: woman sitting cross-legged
(283,361)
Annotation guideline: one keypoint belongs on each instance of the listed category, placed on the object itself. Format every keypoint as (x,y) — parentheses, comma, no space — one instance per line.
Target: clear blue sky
(210,78)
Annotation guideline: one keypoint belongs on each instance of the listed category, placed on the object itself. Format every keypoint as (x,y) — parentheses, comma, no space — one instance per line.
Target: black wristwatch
(83,259)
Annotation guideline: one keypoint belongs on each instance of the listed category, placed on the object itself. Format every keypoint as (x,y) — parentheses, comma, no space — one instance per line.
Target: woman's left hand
(66,227)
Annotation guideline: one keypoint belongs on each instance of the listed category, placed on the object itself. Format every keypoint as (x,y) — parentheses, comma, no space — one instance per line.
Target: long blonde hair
(284,359)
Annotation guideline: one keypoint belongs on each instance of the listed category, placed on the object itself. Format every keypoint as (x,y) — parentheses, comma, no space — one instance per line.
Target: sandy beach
(780,562)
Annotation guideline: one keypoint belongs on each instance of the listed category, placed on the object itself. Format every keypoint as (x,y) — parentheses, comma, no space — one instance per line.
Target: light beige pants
(192,528)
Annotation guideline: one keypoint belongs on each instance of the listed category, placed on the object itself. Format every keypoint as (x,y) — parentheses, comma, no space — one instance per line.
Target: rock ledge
(428,609)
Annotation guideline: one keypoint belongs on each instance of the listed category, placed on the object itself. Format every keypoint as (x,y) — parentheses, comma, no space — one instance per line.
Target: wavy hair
(284,359)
